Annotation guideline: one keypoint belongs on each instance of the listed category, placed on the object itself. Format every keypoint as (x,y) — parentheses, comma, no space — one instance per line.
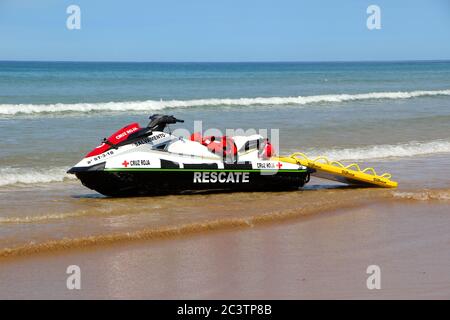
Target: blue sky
(226,30)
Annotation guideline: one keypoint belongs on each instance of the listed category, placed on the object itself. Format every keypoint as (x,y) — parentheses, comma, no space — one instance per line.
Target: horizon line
(248,61)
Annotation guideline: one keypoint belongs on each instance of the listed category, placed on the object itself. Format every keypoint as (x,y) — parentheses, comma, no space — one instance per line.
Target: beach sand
(298,251)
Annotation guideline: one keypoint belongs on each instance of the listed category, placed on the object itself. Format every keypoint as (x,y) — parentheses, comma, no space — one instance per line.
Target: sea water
(52,113)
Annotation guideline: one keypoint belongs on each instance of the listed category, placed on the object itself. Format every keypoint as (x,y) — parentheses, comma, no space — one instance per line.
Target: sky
(224,30)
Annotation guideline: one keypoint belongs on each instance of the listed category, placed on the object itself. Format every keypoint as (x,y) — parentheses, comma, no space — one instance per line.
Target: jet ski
(141,161)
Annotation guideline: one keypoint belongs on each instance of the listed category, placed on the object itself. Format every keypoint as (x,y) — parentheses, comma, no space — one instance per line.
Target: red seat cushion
(197,136)
(224,145)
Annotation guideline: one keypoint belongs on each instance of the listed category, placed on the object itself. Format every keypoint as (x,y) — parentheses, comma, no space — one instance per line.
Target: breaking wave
(26,176)
(13,176)
(152,105)
(43,218)
(409,149)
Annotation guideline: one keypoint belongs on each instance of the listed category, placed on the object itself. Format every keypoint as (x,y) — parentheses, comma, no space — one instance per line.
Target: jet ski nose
(81,167)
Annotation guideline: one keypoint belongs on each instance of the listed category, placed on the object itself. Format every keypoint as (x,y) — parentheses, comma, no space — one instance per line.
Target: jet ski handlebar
(158,122)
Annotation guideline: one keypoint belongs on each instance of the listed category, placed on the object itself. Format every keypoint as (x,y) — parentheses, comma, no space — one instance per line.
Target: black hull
(143,183)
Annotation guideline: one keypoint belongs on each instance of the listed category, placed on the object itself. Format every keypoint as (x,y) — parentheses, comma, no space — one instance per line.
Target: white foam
(25,176)
(12,176)
(152,105)
(426,195)
(409,149)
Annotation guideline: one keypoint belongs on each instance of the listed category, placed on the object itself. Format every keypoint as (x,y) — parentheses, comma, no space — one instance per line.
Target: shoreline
(61,218)
(277,261)
(207,226)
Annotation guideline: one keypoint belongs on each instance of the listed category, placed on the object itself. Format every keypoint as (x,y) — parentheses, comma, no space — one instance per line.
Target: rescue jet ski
(138,161)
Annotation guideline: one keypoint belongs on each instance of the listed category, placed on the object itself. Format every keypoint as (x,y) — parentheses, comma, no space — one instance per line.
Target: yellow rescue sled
(334,170)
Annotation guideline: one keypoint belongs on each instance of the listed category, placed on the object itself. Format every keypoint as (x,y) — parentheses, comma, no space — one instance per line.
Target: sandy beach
(314,256)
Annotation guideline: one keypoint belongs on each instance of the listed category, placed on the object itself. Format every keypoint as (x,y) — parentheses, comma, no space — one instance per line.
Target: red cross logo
(279,165)
(125,163)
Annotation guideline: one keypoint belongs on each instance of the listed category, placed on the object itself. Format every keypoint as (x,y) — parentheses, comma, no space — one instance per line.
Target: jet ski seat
(223,145)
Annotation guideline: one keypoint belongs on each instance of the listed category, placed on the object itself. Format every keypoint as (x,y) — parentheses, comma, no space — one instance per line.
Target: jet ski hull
(121,182)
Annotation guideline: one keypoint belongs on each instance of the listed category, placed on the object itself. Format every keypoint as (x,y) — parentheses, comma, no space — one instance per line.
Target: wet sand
(316,256)
(48,222)
(314,243)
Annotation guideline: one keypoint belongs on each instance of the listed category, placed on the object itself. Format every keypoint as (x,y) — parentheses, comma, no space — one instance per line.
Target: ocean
(394,116)
(51,113)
